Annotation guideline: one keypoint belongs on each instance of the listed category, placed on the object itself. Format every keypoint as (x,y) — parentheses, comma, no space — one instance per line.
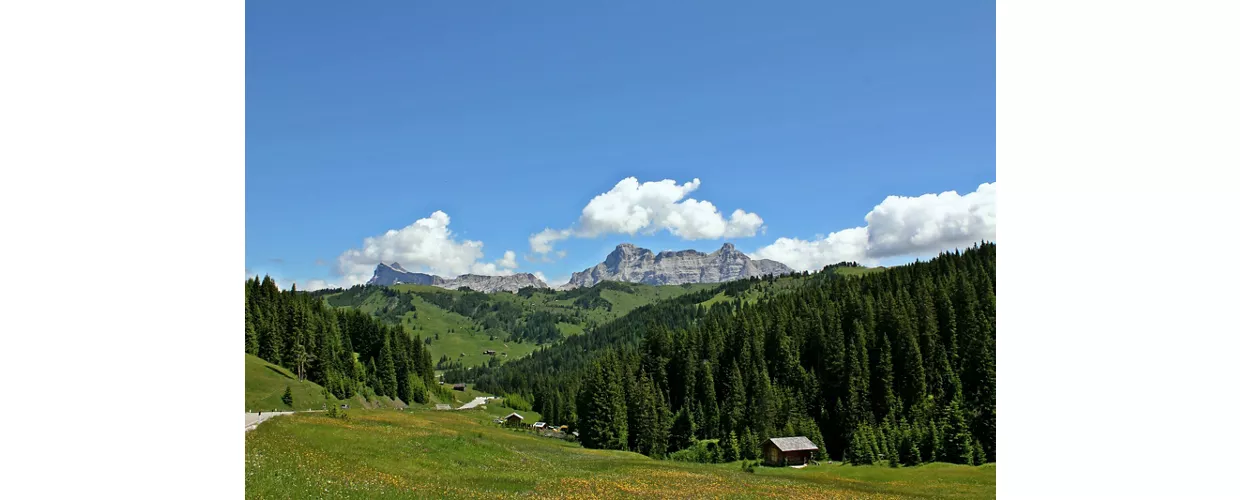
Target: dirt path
(477,401)
(253,419)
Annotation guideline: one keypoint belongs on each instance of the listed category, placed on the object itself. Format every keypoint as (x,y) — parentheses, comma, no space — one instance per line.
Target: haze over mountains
(627,263)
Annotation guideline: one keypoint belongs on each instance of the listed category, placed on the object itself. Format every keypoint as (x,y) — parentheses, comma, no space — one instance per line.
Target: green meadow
(420,453)
(265,384)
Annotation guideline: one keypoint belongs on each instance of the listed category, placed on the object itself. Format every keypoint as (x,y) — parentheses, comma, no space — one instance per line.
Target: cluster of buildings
(515,420)
(776,451)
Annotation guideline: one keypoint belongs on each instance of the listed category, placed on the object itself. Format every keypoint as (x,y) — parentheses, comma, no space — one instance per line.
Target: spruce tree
(287,398)
(251,337)
(730,448)
(387,369)
(733,410)
(957,442)
(882,380)
(748,444)
(681,435)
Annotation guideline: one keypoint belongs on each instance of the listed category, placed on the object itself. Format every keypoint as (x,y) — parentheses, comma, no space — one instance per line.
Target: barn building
(513,419)
(788,451)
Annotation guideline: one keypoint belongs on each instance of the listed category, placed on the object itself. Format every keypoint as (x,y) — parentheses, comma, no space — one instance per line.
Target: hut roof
(797,443)
(514,414)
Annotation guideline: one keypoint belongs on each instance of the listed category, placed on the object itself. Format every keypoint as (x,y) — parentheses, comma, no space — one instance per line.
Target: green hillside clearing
(462,454)
(265,384)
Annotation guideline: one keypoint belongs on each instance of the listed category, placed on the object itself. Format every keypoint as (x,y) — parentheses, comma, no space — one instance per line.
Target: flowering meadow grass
(461,454)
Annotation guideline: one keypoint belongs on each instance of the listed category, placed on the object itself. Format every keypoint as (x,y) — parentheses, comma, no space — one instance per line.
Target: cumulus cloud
(631,207)
(312,285)
(930,223)
(509,261)
(544,241)
(802,255)
(426,245)
(899,226)
(551,282)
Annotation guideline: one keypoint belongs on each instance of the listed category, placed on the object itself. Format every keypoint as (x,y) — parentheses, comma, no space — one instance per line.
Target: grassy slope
(467,336)
(265,383)
(461,454)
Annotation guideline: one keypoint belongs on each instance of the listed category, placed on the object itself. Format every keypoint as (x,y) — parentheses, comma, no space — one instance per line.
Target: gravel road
(253,419)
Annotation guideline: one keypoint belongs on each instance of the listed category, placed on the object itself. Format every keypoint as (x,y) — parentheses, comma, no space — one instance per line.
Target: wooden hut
(796,450)
(513,419)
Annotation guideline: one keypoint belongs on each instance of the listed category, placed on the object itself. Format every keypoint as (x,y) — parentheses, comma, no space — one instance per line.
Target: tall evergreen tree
(681,435)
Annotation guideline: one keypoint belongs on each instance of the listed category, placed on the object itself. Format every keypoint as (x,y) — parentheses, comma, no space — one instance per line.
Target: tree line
(344,350)
(894,367)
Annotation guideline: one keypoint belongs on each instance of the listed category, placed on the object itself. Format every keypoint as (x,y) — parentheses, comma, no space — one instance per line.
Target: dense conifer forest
(894,367)
(299,332)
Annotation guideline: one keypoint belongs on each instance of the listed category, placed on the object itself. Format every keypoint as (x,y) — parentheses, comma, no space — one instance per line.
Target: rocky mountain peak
(393,274)
(630,263)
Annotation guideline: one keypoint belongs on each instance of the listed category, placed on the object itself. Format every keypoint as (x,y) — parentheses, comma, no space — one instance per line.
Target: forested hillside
(897,366)
(318,343)
(457,326)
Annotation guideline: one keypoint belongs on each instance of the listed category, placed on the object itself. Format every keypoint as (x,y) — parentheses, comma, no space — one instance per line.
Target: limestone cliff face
(639,265)
(394,274)
(489,284)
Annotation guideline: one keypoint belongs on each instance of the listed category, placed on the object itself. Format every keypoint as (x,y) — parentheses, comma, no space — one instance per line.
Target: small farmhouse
(788,451)
(513,419)
(540,425)
(458,387)
(489,352)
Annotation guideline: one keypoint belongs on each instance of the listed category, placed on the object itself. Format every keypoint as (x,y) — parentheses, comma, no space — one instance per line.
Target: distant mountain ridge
(632,264)
(394,274)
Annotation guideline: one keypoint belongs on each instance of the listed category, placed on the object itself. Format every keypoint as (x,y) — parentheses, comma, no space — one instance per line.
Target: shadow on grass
(282,374)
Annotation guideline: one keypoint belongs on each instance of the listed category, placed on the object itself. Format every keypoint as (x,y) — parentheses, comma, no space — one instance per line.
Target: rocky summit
(394,274)
(639,265)
(489,284)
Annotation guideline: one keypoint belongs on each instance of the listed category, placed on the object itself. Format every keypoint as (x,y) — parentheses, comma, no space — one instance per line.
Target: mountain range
(638,265)
(394,274)
(627,263)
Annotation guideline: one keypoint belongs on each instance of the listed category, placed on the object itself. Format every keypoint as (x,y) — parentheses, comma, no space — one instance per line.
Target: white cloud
(312,285)
(647,207)
(543,241)
(551,282)
(426,245)
(931,223)
(509,261)
(840,246)
(899,226)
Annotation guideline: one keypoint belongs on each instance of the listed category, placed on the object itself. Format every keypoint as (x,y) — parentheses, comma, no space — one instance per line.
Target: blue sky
(510,117)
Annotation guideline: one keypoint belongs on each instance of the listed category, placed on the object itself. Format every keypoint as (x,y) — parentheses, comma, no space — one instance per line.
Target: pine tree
(269,344)
(979,453)
(882,380)
(706,402)
(288,396)
(731,449)
(749,445)
(957,442)
(602,410)
(861,446)
(387,369)
(681,435)
(251,337)
(733,410)
(643,416)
